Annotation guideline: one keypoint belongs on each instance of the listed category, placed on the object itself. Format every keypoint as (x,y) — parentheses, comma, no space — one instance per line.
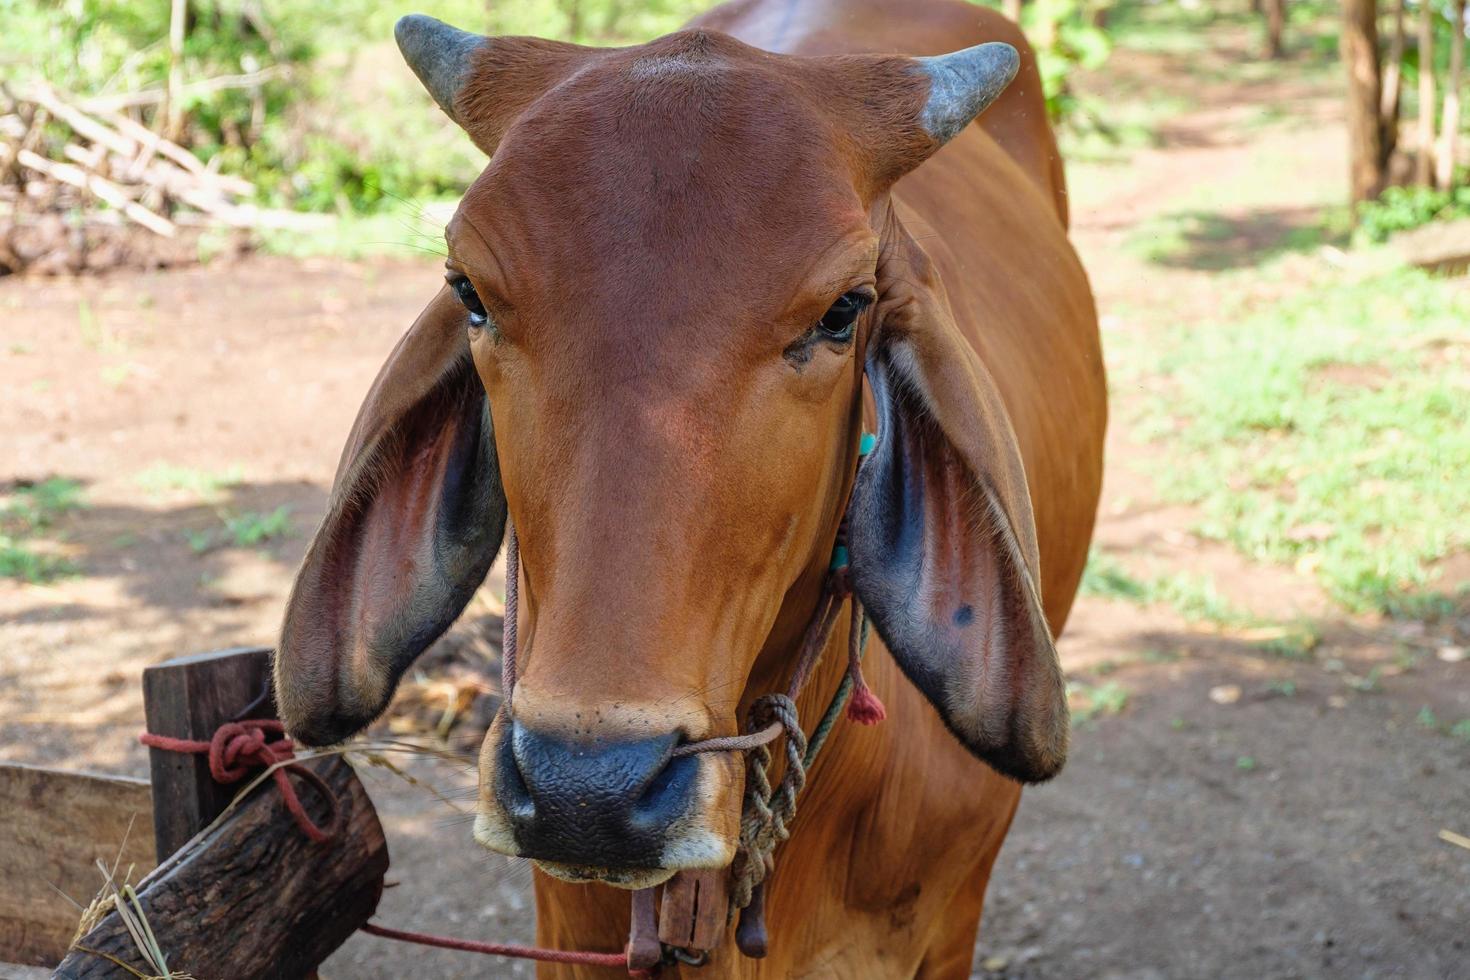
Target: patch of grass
(1246,763)
(1327,431)
(166,478)
(1089,702)
(404,230)
(31,509)
(1461,729)
(1193,596)
(245,530)
(1106,578)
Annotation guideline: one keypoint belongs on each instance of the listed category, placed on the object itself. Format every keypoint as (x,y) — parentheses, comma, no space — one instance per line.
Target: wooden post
(255,898)
(189,697)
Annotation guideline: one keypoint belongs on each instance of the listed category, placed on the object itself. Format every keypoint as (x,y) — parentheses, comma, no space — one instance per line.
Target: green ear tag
(866,443)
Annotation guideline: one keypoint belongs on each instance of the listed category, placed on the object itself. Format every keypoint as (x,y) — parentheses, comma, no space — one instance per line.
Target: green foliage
(1066,40)
(244,530)
(1325,431)
(1402,208)
(338,123)
(32,509)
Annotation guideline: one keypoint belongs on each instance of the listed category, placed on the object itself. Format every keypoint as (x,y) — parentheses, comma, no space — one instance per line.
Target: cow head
(664,294)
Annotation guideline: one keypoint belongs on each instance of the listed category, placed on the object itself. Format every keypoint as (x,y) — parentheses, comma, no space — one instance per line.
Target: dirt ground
(1239,814)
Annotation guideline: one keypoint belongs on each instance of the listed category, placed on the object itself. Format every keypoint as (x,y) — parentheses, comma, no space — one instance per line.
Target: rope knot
(239,747)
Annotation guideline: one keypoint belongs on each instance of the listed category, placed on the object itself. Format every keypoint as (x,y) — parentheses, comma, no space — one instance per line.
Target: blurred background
(217,216)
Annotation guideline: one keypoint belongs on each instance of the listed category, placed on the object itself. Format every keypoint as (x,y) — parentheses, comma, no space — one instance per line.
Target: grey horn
(438,54)
(963,83)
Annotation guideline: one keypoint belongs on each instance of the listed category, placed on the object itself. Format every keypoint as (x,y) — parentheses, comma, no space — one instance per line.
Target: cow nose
(607,803)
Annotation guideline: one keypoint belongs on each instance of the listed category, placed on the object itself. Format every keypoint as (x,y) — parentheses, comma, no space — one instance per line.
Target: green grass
(405,230)
(1088,702)
(162,478)
(245,530)
(30,510)
(1193,596)
(1327,431)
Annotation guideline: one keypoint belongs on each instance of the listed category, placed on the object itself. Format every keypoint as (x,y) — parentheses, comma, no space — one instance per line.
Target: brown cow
(688,279)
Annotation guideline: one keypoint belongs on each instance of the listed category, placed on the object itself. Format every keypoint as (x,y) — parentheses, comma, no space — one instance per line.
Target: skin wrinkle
(650,237)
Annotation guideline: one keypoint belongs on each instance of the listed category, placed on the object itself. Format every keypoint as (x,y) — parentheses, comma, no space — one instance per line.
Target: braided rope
(765,821)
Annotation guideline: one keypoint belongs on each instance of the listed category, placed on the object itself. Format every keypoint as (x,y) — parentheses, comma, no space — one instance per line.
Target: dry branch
(102,189)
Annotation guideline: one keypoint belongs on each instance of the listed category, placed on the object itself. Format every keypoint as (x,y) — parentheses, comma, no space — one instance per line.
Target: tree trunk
(1393,85)
(1275,25)
(1424,164)
(1449,127)
(1012,9)
(173,108)
(1360,56)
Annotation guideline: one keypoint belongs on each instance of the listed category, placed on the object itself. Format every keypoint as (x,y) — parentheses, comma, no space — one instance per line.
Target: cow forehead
(670,157)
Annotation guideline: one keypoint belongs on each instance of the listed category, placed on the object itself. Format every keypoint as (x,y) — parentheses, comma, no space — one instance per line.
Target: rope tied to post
(238,748)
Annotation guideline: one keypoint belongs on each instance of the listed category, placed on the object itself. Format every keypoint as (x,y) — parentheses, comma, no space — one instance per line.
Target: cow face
(664,290)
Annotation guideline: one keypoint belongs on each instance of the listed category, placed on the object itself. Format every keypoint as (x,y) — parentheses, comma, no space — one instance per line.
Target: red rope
(238,747)
(574,957)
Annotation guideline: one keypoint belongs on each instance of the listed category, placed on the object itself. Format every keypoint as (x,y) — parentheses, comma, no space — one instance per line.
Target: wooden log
(254,898)
(54,828)
(190,697)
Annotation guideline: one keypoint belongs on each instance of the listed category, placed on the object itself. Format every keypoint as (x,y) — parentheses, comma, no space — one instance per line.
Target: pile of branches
(84,187)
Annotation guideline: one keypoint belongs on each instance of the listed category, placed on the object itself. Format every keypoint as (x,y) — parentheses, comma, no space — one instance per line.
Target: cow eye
(471,300)
(838,322)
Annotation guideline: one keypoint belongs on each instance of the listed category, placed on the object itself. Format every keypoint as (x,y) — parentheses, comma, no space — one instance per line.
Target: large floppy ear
(484,83)
(412,527)
(940,530)
(942,537)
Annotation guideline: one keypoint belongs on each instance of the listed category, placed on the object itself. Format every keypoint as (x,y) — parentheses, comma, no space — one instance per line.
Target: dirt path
(1226,812)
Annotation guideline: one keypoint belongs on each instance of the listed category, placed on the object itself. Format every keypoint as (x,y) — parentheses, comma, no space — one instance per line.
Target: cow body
(691,273)
(898,828)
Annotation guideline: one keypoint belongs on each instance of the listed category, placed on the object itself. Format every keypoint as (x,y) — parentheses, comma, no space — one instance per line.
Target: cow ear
(484,83)
(941,534)
(413,525)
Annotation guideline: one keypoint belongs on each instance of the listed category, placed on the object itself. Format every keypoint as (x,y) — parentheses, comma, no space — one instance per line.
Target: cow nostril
(666,796)
(510,785)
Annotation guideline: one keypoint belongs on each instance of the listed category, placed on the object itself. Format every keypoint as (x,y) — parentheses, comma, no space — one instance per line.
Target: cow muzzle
(620,808)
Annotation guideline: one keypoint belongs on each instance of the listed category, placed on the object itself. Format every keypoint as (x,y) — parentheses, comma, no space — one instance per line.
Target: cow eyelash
(464,291)
(840,320)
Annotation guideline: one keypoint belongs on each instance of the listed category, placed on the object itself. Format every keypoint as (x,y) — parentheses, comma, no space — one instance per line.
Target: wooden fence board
(54,826)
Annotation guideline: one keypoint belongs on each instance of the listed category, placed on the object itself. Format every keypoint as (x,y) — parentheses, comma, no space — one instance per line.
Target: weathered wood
(254,898)
(695,909)
(190,697)
(54,827)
